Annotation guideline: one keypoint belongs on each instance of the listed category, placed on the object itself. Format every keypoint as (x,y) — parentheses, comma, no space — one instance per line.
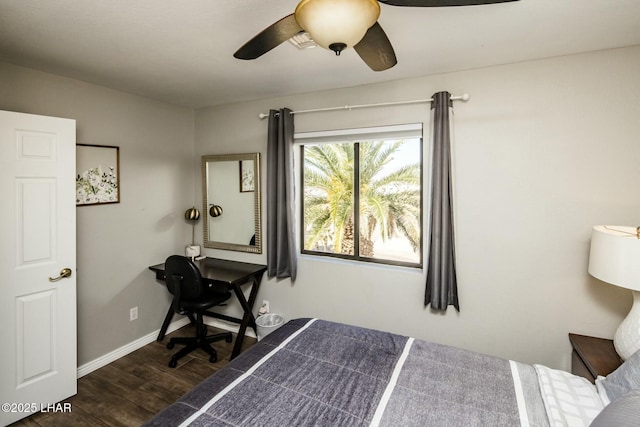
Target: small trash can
(268,323)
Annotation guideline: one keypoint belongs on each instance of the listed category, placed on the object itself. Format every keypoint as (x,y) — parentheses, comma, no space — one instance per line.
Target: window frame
(357,136)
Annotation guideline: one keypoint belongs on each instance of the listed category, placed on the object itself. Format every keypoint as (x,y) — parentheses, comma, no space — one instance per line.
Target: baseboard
(231,327)
(116,354)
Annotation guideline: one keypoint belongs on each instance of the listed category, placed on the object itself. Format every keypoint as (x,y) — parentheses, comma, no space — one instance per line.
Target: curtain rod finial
(465,97)
(263,116)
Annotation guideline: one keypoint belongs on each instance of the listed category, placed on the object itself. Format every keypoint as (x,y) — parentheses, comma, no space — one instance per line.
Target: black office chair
(191,295)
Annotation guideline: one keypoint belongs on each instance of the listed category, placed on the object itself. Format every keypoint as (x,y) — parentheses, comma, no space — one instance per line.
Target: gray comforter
(314,372)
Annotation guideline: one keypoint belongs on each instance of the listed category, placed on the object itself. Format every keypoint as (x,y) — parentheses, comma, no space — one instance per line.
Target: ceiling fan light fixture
(337,22)
(302,40)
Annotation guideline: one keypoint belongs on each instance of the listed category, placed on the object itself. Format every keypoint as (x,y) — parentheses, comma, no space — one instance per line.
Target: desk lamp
(615,259)
(192,215)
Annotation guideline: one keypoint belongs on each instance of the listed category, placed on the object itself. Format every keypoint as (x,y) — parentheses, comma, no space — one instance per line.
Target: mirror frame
(257,203)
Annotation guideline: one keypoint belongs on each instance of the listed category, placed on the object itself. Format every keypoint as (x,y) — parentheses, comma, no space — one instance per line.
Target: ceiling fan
(338,24)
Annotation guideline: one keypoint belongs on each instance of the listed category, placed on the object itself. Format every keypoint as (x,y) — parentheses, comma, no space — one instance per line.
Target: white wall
(116,243)
(544,150)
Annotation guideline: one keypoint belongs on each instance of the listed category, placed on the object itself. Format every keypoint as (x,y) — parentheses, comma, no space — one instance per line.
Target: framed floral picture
(246,176)
(97,174)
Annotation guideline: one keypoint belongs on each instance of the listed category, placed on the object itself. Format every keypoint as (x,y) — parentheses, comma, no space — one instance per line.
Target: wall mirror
(231,202)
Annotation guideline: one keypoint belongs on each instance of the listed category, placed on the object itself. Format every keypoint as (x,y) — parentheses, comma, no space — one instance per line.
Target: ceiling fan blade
(269,38)
(440,3)
(375,49)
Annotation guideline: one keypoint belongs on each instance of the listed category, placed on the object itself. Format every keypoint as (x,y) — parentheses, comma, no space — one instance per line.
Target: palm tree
(389,198)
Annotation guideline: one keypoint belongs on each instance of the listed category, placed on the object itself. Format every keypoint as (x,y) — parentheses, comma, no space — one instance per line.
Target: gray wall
(543,151)
(116,243)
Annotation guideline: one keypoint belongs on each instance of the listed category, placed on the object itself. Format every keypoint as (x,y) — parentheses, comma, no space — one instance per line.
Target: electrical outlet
(133,314)
(265,304)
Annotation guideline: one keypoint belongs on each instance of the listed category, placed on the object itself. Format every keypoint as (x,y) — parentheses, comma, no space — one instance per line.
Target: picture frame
(247,181)
(97,174)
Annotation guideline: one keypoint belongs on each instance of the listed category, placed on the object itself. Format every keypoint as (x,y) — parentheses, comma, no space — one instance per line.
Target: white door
(38,240)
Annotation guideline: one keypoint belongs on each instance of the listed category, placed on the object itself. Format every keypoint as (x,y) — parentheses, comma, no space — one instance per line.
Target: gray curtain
(281,248)
(442,286)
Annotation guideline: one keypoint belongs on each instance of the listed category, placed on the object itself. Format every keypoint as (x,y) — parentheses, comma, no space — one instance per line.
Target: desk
(231,275)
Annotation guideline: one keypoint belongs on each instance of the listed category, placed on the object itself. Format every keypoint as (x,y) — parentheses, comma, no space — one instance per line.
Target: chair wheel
(173,363)
(213,359)
(229,338)
(170,345)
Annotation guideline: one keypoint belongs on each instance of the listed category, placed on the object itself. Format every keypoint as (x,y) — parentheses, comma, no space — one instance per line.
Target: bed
(315,372)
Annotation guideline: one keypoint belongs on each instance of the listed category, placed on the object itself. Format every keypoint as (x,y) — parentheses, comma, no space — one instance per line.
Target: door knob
(65,272)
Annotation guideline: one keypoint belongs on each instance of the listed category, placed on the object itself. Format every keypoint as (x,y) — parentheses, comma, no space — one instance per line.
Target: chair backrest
(183,279)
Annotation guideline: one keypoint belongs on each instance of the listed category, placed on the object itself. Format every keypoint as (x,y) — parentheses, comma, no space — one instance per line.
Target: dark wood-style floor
(132,389)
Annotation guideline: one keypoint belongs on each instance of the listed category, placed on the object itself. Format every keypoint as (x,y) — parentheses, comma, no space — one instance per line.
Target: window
(378,170)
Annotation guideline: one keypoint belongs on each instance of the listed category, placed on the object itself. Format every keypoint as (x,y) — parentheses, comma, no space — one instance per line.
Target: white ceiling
(181,51)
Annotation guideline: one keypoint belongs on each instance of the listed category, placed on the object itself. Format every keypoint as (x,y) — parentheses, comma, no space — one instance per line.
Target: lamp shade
(215,211)
(337,22)
(615,255)
(192,214)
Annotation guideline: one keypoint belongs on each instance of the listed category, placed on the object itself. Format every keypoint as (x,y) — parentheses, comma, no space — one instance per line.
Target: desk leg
(247,319)
(165,324)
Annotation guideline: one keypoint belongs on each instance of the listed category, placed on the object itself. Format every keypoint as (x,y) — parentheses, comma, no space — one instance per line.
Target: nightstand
(593,356)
